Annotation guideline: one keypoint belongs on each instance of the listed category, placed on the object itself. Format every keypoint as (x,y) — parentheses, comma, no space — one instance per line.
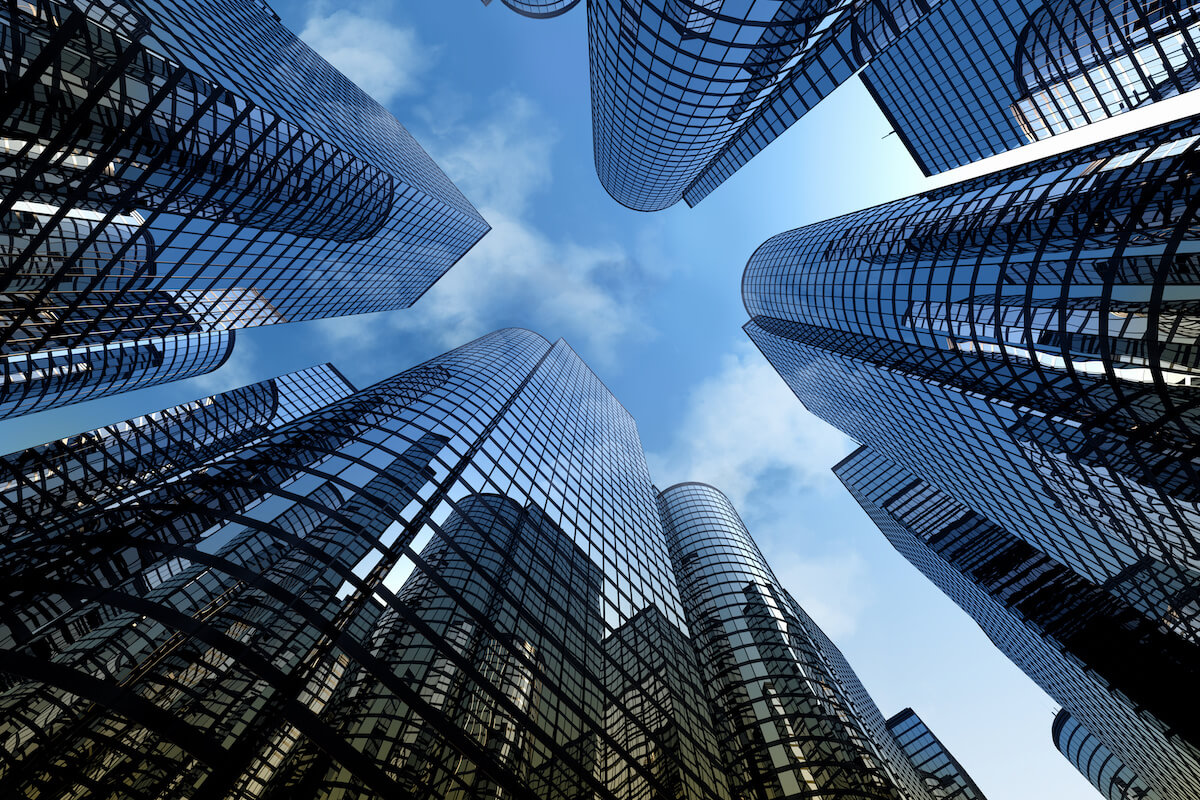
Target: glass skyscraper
(1115,671)
(160,186)
(1021,344)
(685,92)
(978,77)
(1112,779)
(458,582)
(61,489)
(941,773)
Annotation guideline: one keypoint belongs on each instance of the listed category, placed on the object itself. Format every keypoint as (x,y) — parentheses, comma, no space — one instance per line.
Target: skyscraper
(459,582)
(685,92)
(59,490)
(160,186)
(1025,335)
(978,77)
(786,721)
(1021,344)
(1114,670)
(941,773)
(1096,762)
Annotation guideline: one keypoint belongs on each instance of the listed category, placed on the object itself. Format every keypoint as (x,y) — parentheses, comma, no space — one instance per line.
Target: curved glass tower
(453,583)
(156,181)
(1112,779)
(1116,671)
(38,381)
(785,720)
(1021,344)
(1045,312)
(685,92)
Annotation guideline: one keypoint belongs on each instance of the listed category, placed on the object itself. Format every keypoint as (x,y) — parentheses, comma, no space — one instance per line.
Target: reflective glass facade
(158,179)
(979,77)
(57,489)
(684,92)
(538,9)
(458,582)
(1021,344)
(1112,779)
(1021,335)
(1120,674)
(787,722)
(37,381)
(938,769)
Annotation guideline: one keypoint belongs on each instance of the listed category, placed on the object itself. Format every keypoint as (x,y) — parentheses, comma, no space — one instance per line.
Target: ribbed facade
(785,722)
(1022,345)
(61,488)
(454,583)
(158,181)
(1024,335)
(538,9)
(1117,672)
(978,77)
(1112,779)
(39,381)
(685,92)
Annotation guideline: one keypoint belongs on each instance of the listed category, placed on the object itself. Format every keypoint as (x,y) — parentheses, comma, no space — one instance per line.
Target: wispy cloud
(744,432)
(832,587)
(238,370)
(384,59)
(744,427)
(519,274)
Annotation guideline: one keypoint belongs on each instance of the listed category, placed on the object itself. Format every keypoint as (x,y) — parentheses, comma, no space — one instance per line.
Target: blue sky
(652,302)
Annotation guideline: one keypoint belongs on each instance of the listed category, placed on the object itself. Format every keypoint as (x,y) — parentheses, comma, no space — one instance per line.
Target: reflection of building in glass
(156,181)
(1023,343)
(1079,61)
(938,769)
(453,583)
(38,381)
(787,723)
(1117,671)
(978,77)
(59,488)
(684,92)
(1111,778)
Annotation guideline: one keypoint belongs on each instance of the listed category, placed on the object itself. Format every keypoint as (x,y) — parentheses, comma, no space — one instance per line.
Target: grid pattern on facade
(1020,334)
(979,77)
(941,772)
(686,91)
(1112,779)
(44,486)
(784,720)
(40,381)
(452,583)
(920,522)
(538,9)
(159,180)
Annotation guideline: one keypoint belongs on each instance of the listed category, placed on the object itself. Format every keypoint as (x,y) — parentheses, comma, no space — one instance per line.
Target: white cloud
(742,427)
(238,369)
(744,432)
(499,162)
(832,587)
(384,59)
(518,274)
